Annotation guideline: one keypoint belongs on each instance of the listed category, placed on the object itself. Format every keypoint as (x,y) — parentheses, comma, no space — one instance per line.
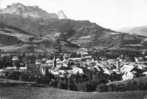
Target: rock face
(61,15)
(24,24)
(28,11)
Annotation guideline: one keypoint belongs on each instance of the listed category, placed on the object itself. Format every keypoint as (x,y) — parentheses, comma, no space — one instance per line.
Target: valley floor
(52,93)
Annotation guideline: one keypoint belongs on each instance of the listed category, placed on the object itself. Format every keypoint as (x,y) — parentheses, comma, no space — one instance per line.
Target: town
(80,71)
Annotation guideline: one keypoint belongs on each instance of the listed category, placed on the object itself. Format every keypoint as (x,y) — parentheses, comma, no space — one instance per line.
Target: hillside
(66,33)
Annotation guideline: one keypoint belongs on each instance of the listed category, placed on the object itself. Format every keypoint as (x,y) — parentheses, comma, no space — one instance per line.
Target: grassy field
(52,93)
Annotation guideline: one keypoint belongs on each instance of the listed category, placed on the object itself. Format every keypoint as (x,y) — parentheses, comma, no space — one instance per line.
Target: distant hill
(45,32)
(142,30)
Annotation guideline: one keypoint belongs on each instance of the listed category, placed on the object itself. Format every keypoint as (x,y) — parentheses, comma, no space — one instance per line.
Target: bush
(101,88)
(134,84)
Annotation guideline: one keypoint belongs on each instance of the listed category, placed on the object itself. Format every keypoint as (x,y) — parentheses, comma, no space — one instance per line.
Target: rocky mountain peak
(61,15)
(28,11)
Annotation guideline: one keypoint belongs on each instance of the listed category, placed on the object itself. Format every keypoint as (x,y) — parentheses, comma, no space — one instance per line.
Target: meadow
(52,93)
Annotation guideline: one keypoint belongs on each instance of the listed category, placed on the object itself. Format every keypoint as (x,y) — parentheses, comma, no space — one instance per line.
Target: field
(52,93)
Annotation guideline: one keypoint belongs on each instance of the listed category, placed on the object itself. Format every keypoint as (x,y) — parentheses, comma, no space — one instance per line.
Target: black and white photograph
(73,49)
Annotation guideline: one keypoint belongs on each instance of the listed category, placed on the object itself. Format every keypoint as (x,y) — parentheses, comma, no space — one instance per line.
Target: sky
(113,14)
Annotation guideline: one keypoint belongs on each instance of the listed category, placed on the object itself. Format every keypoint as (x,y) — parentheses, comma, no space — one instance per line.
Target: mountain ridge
(65,34)
(28,11)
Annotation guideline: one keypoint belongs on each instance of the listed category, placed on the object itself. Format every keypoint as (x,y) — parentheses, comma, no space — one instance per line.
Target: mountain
(61,15)
(141,30)
(28,11)
(42,32)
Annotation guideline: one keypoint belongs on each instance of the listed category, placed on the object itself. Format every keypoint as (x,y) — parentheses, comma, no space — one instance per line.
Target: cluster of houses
(83,68)
(74,66)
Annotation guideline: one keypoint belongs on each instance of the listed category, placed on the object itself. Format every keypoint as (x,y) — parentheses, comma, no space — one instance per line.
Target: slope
(52,33)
